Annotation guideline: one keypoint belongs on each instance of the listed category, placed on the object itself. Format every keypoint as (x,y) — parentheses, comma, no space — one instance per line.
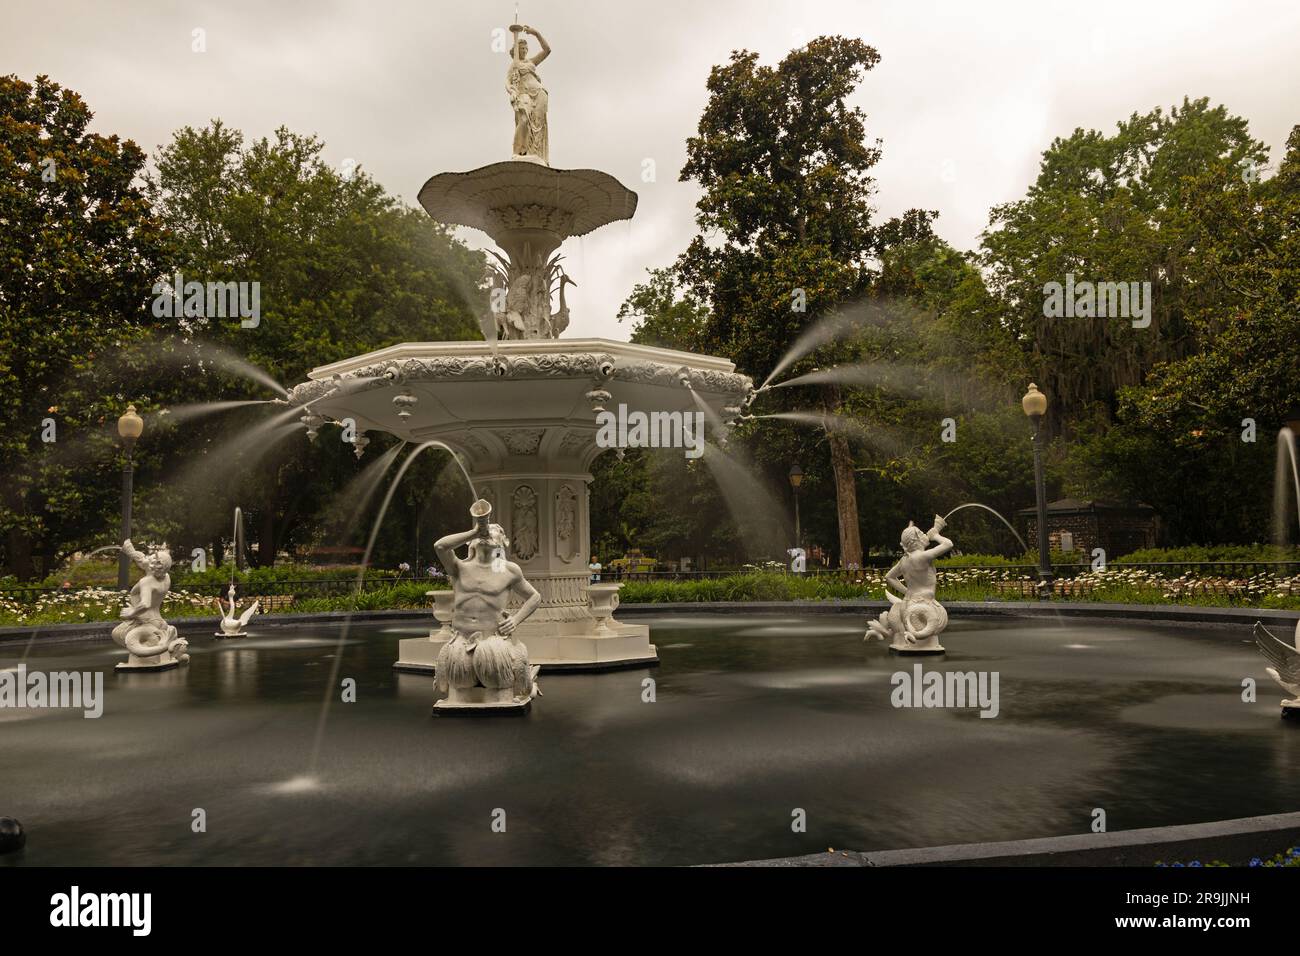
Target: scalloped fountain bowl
(522,416)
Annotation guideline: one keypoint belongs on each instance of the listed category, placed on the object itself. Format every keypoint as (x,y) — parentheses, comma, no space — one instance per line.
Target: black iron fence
(1219,576)
(1164,569)
(296,588)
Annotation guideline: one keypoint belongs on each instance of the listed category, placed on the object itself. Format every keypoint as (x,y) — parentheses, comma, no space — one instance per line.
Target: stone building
(1075,525)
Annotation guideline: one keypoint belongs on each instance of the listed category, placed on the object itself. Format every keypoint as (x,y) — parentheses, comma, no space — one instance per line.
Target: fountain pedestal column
(541,498)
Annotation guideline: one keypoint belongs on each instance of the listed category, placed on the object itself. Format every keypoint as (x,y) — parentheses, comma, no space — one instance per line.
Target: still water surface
(753,718)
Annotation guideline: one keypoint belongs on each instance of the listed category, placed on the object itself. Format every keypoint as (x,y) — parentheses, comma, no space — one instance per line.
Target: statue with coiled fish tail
(151,641)
(913,623)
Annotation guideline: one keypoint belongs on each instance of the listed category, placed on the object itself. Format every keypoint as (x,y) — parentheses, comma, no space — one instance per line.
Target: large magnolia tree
(787,230)
(80,249)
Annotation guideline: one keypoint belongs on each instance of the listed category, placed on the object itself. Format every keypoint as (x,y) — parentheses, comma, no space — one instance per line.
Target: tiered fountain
(519,409)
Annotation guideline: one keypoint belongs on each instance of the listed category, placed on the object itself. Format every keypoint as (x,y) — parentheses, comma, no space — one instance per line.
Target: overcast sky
(966,97)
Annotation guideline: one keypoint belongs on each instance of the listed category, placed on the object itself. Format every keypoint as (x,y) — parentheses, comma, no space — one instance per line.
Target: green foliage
(103,604)
(665,315)
(1192,554)
(958,583)
(784,163)
(1152,415)
(1191,413)
(79,250)
(343,268)
(786,236)
(1110,208)
(745,587)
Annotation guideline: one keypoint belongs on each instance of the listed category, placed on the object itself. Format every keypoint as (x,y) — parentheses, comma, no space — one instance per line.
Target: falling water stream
(1286,453)
(237,544)
(331,686)
(748,500)
(884,439)
(976,504)
(903,379)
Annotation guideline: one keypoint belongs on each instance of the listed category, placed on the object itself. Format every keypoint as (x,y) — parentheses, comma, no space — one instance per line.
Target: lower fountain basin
(746,720)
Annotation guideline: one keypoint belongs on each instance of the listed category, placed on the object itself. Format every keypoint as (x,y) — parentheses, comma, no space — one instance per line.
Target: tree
(343,268)
(1190,415)
(80,249)
(786,217)
(1110,209)
(665,315)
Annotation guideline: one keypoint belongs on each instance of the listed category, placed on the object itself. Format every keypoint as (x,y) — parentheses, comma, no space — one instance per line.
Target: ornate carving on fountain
(574,444)
(592,198)
(559,365)
(600,366)
(524,522)
(566,523)
(704,380)
(532,216)
(473,446)
(520,300)
(564,597)
(603,599)
(522,441)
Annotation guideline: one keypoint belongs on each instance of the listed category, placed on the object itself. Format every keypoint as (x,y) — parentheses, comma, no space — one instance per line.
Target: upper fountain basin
(504,198)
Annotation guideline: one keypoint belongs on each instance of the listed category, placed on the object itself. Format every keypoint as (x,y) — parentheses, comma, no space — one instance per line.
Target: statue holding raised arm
(151,641)
(528,97)
(484,666)
(913,623)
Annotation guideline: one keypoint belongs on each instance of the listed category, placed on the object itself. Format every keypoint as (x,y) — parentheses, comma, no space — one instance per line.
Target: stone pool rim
(1237,839)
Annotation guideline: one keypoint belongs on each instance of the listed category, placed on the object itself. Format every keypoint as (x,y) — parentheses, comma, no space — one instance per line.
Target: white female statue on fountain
(528,97)
(484,666)
(914,622)
(151,641)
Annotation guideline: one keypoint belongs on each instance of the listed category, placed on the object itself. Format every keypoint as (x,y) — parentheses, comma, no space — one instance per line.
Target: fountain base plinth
(480,702)
(918,650)
(552,645)
(225,635)
(138,664)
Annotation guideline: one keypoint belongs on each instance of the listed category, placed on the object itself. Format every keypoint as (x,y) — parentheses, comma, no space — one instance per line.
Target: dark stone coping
(1231,841)
(1085,609)
(1168,613)
(188,626)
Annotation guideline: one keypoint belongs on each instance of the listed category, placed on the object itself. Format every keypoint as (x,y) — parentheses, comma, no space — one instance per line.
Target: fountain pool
(754,716)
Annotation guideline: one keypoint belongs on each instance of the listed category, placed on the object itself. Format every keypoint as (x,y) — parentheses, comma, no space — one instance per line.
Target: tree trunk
(846,489)
(289,520)
(266,538)
(20,555)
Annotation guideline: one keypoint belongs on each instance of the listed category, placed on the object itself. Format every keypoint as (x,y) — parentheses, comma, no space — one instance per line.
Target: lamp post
(796,479)
(129,427)
(1035,405)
